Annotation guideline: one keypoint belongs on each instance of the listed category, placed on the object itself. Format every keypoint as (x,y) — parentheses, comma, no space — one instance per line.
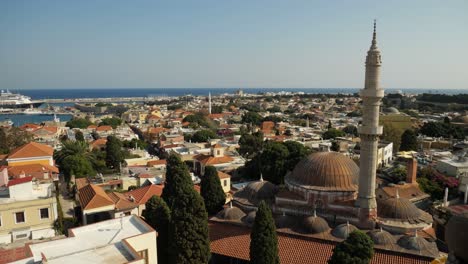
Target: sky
(230,44)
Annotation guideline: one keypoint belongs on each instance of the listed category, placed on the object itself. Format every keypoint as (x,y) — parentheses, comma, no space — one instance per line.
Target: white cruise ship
(13,100)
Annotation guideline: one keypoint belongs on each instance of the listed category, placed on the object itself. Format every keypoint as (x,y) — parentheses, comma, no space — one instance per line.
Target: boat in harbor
(15,100)
(32,111)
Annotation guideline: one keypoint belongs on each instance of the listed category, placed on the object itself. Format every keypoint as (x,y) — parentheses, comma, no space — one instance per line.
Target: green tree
(333,133)
(203,136)
(329,125)
(114,122)
(253,118)
(74,158)
(358,248)
(158,215)
(212,191)
(250,144)
(78,123)
(273,161)
(392,134)
(297,152)
(409,141)
(11,138)
(79,135)
(351,130)
(188,228)
(263,239)
(335,146)
(114,153)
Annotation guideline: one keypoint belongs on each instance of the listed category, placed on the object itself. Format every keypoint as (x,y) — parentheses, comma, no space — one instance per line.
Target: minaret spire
(209,103)
(369,131)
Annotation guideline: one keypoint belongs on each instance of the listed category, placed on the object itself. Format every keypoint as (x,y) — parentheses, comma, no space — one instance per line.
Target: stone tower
(209,103)
(369,131)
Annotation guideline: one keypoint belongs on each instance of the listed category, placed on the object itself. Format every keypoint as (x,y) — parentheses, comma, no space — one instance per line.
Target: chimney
(411,170)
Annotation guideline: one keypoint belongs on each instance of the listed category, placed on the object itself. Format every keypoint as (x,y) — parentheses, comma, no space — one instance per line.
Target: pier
(106,100)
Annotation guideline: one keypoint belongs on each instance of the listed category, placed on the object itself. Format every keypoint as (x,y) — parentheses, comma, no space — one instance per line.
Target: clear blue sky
(223,43)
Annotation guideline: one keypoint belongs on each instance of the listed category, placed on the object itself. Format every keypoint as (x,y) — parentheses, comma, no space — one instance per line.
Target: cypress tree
(188,228)
(263,240)
(158,216)
(358,248)
(212,191)
(114,153)
(409,141)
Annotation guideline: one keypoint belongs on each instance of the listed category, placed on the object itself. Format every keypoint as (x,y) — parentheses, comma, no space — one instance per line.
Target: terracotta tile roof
(217,145)
(91,127)
(234,241)
(223,175)
(210,160)
(81,182)
(31,149)
(156,130)
(19,181)
(156,162)
(98,142)
(408,191)
(13,254)
(104,128)
(121,202)
(29,126)
(268,125)
(216,116)
(92,196)
(3,156)
(31,168)
(143,194)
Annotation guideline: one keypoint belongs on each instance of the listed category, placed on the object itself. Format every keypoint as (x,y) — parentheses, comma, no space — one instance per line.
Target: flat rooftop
(95,243)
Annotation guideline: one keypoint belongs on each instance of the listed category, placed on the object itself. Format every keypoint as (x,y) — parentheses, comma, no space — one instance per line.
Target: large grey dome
(327,171)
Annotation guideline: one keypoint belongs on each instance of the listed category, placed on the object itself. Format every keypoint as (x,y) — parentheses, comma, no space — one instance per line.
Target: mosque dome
(250,217)
(255,192)
(391,110)
(456,235)
(414,243)
(315,224)
(381,237)
(401,209)
(343,230)
(461,119)
(284,221)
(231,214)
(327,171)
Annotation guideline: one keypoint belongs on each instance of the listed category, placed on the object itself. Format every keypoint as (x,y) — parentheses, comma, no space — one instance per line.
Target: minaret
(369,131)
(209,103)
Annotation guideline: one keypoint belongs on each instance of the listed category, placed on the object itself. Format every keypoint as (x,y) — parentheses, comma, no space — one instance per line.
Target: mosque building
(328,189)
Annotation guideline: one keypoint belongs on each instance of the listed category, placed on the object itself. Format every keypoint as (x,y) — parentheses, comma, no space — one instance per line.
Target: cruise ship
(13,100)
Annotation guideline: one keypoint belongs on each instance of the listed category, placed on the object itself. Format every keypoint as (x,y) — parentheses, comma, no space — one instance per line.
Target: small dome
(456,235)
(401,209)
(250,217)
(257,191)
(343,230)
(328,171)
(415,243)
(461,119)
(315,224)
(391,110)
(381,237)
(284,221)
(231,214)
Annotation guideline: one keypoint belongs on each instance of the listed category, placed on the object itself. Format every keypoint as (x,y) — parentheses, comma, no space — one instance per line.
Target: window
(44,213)
(20,217)
(225,183)
(144,255)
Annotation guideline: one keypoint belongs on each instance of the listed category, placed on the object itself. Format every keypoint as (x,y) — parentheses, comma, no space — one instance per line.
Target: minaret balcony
(376,93)
(370,130)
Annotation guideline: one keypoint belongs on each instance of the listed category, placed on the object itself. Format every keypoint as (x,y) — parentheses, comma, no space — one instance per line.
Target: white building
(456,167)
(124,240)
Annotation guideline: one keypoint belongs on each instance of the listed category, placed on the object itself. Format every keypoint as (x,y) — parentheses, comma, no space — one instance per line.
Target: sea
(67,93)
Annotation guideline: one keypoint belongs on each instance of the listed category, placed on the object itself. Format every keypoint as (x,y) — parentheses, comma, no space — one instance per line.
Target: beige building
(124,240)
(27,210)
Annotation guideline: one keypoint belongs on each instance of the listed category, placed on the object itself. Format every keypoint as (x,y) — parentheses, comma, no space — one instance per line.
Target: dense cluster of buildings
(339,188)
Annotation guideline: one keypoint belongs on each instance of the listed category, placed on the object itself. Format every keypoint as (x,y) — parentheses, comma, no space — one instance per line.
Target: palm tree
(73,148)
(75,159)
